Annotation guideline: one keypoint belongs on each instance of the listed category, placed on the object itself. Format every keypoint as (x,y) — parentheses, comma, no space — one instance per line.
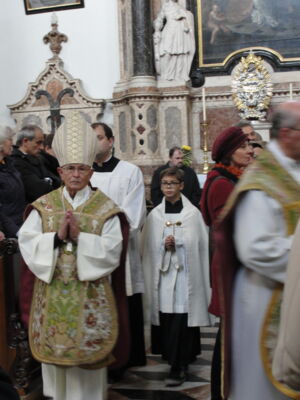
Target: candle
(203,104)
(291,91)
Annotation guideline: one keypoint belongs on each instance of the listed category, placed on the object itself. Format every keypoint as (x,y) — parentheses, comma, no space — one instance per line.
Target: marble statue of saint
(174,41)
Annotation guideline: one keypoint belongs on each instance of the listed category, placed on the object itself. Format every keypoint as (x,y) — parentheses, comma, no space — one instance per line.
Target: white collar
(187,208)
(80,197)
(105,161)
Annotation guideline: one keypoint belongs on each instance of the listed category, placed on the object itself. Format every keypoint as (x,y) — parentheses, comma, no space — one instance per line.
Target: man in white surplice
(123,182)
(175,264)
(73,221)
(264,220)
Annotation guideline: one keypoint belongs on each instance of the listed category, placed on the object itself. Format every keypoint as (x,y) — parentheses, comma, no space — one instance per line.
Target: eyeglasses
(82,169)
(171,184)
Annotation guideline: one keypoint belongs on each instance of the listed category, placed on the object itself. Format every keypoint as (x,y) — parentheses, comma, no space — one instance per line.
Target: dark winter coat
(37,180)
(12,198)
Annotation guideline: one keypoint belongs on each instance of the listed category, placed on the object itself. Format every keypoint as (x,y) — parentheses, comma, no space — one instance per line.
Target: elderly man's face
(248,130)
(7,147)
(75,176)
(39,139)
(292,142)
(289,137)
(35,145)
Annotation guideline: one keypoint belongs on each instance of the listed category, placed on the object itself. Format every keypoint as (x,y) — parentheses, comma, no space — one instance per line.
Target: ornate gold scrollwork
(252,88)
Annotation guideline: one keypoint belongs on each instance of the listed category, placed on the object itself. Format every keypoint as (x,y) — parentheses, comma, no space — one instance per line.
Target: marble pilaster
(142,38)
(136,120)
(125,38)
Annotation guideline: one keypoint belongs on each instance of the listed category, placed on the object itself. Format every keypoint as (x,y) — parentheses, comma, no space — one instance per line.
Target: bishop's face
(75,177)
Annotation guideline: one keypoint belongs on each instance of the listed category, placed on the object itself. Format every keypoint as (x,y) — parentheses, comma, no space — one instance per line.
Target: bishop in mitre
(72,240)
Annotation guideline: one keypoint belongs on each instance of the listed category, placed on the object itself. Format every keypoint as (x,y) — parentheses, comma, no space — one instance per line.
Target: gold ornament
(252,88)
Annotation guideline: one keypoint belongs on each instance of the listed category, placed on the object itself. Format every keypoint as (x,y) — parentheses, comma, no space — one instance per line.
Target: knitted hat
(75,141)
(227,142)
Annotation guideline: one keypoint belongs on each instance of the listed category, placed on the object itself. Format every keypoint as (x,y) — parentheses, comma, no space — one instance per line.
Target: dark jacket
(36,179)
(12,198)
(7,390)
(50,162)
(191,188)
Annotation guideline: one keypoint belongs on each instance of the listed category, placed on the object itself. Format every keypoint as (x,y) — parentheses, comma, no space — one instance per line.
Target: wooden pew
(15,355)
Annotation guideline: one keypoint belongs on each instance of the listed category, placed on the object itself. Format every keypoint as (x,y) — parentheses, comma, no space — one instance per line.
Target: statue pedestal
(161,83)
(136,122)
(150,117)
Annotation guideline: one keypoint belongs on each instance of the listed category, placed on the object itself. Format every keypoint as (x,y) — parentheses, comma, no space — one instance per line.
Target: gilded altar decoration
(252,88)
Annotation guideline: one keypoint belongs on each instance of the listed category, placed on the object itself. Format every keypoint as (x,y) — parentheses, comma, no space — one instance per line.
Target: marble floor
(148,382)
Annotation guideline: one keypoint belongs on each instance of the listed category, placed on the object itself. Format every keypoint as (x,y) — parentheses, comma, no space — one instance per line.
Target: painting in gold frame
(229,27)
(38,6)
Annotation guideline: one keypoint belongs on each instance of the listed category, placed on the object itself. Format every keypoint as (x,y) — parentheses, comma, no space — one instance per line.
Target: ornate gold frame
(201,46)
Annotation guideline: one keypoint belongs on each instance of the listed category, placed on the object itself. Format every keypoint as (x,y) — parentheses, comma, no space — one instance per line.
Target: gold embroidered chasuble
(268,175)
(73,322)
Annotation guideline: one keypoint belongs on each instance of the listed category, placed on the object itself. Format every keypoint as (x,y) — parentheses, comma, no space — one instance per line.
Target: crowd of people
(97,269)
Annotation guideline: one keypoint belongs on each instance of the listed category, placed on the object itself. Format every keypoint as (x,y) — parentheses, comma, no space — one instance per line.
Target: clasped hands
(69,229)
(170,243)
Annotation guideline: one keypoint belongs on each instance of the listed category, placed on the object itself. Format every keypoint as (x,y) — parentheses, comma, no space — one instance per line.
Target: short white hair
(6,132)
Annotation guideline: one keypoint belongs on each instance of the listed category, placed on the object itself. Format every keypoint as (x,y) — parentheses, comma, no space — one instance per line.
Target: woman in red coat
(232,153)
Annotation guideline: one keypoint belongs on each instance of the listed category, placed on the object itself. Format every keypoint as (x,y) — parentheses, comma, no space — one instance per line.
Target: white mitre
(75,141)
